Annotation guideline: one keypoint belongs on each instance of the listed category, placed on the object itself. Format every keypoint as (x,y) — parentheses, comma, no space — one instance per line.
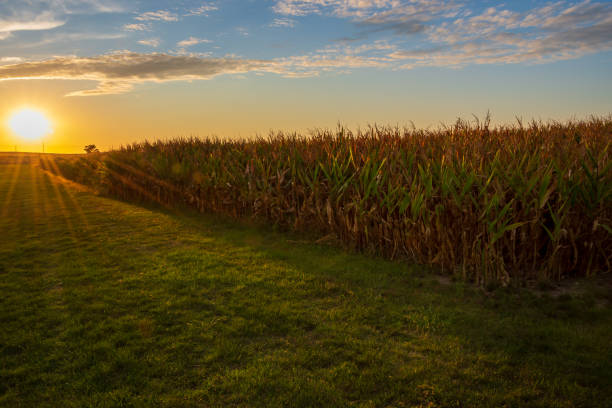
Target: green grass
(108,304)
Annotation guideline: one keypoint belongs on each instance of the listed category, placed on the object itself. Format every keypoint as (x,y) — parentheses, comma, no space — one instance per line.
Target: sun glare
(30,124)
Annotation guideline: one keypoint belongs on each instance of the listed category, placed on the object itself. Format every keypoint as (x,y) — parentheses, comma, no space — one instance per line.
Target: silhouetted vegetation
(91,149)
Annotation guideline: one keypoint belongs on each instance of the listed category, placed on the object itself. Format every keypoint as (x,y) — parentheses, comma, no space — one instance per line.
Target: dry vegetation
(504,204)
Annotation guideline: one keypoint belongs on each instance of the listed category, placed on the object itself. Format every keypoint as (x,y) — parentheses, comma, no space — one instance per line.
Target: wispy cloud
(339,58)
(39,15)
(27,21)
(202,10)
(39,23)
(62,38)
(282,23)
(374,16)
(160,15)
(85,6)
(192,41)
(361,9)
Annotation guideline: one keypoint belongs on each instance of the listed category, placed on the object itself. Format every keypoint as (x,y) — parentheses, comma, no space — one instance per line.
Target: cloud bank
(119,72)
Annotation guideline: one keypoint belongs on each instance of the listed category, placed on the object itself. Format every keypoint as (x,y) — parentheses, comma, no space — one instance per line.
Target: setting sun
(30,124)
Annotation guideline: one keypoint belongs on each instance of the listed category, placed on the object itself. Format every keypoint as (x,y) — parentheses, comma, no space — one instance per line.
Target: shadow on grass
(560,341)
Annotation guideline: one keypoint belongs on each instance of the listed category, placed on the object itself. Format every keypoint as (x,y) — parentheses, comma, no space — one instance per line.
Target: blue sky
(354,61)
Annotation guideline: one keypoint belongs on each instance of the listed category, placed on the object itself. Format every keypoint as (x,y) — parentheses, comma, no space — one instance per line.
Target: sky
(114,72)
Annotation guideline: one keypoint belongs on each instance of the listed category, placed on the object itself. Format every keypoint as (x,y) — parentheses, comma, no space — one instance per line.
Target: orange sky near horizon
(231,108)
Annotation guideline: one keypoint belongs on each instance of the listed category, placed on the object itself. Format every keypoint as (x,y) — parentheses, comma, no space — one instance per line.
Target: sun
(30,124)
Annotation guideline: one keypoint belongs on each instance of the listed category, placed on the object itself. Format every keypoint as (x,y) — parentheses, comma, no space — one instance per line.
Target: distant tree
(91,149)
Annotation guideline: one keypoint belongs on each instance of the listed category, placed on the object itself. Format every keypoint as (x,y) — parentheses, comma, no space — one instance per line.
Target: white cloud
(192,41)
(153,42)
(160,15)
(10,60)
(137,27)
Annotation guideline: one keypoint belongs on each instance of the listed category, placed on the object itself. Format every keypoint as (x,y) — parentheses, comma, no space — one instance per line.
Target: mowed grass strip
(107,304)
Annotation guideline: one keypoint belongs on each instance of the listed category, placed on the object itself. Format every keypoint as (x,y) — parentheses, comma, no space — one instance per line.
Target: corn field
(510,204)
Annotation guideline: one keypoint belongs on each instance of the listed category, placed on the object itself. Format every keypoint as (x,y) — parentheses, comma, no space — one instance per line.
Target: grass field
(108,304)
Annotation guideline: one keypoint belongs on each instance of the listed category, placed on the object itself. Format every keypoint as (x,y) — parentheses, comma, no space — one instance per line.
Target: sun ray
(61,204)
(12,185)
(39,210)
(42,188)
(142,174)
(69,194)
(138,188)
